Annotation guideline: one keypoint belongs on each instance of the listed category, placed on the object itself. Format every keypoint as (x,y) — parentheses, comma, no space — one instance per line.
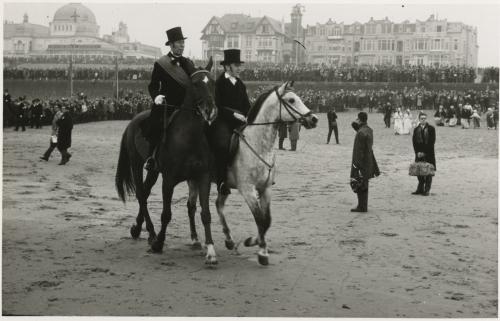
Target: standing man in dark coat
(65,126)
(424,137)
(36,113)
(282,134)
(364,166)
(7,108)
(233,105)
(387,115)
(332,125)
(21,114)
(169,80)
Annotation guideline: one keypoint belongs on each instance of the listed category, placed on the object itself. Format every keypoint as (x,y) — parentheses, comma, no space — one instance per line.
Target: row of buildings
(433,42)
(72,31)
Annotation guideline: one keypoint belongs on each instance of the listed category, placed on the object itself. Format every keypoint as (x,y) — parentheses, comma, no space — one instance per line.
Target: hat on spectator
(231,56)
(174,34)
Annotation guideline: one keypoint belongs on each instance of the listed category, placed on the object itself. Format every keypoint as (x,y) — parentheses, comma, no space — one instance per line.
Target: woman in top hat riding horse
(233,105)
(169,80)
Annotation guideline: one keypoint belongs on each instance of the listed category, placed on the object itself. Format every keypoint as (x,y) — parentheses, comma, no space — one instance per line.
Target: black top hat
(174,34)
(231,56)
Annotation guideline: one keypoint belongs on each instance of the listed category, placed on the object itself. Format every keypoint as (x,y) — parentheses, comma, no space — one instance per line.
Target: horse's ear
(282,88)
(291,84)
(210,64)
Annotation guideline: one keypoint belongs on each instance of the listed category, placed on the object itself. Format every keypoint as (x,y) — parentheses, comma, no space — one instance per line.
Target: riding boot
(221,182)
(150,161)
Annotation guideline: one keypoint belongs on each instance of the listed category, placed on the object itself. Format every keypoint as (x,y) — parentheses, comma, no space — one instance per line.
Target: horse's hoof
(196,246)
(250,242)
(263,260)
(135,231)
(157,246)
(229,244)
(151,239)
(211,261)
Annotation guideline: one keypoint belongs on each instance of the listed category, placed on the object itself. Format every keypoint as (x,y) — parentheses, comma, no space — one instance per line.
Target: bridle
(292,111)
(198,108)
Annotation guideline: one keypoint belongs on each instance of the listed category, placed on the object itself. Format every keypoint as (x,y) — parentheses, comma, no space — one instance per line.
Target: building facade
(73,31)
(432,42)
(262,39)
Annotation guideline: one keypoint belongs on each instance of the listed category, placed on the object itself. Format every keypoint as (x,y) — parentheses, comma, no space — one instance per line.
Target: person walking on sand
(364,165)
(65,125)
(53,135)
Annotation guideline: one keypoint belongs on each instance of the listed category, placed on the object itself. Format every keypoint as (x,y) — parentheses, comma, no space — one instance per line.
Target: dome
(67,13)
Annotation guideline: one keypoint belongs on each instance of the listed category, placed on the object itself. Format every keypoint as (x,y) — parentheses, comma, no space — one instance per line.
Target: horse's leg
(259,204)
(191,206)
(204,188)
(220,203)
(151,178)
(166,214)
(143,190)
(135,230)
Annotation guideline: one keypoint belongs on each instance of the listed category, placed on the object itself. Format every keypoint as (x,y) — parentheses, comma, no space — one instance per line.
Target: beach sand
(67,249)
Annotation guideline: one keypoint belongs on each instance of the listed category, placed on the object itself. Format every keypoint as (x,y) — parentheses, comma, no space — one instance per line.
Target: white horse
(252,171)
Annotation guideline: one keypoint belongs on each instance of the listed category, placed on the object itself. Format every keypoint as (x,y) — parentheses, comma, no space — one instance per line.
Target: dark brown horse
(183,155)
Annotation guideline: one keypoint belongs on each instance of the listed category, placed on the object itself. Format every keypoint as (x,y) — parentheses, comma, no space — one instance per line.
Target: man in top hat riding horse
(233,105)
(169,80)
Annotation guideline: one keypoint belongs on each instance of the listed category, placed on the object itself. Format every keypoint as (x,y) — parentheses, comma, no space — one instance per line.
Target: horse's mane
(254,111)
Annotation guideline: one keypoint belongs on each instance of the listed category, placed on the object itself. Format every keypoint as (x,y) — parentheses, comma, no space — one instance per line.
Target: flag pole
(116,73)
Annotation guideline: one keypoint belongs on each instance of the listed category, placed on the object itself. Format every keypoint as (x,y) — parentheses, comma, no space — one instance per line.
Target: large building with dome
(73,31)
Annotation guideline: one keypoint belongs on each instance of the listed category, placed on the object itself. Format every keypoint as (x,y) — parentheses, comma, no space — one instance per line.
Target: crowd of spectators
(415,98)
(81,108)
(84,109)
(103,68)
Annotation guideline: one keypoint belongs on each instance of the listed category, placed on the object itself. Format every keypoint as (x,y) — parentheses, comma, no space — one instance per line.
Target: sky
(147,22)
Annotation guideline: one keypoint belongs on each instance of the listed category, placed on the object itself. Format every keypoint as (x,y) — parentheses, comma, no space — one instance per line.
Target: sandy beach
(67,249)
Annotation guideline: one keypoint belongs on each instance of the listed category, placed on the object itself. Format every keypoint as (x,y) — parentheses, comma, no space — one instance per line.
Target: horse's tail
(124,181)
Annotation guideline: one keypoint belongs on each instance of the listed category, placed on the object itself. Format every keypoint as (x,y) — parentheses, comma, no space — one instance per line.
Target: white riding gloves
(159,99)
(240,117)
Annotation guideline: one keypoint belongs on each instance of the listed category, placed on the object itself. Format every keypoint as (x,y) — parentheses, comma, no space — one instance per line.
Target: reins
(289,108)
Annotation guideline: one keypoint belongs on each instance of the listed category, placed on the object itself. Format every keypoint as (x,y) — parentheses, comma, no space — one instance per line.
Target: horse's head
(295,108)
(203,90)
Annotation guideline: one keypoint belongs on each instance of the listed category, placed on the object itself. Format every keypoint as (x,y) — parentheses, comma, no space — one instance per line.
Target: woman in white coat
(398,122)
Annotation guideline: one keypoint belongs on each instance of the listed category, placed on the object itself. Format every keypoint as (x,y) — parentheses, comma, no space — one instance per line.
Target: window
(249,41)
(336,31)
(234,25)
(232,42)
(439,29)
(422,29)
(213,28)
(421,44)
(265,29)
(322,31)
(248,55)
(436,44)
(455,44)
